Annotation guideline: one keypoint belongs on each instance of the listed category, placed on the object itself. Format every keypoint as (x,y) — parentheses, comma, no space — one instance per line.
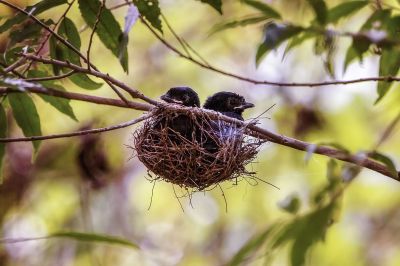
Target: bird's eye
(233,102)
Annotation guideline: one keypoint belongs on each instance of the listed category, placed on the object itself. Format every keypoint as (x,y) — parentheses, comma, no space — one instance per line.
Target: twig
(94,30)
(266,82)
(52,77)
(82,97)
(388,131)
(78,133)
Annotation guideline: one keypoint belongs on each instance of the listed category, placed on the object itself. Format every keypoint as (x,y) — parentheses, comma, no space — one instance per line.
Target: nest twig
(213,152)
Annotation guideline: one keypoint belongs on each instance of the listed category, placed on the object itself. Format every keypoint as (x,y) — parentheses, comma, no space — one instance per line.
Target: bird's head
(182,95)
(227,102)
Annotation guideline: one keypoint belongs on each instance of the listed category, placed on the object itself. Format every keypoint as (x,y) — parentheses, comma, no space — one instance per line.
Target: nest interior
(192,150)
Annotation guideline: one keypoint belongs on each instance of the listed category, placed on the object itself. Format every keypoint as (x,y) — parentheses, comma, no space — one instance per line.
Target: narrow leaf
(107,29)
(237,23)
(150,10)
(26,115)
(385,160)
(130,19)
(274,35)
(263,7)
(389,65)
(216,4)
(61,104)
(3,134)
(345,9)
(34,10)
(320,10)
(68,30)
(89,237)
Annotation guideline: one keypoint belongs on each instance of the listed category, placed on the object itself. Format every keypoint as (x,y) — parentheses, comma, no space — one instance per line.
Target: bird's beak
(244,106)
(168,99)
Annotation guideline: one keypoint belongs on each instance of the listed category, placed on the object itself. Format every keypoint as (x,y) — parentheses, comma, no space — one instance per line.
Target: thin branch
(51,77)
(388,131)
(92,72)
(81,97)
(266,82)
(78,133)
(94,30)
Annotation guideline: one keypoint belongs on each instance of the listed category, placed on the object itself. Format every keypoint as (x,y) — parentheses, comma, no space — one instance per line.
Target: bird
(229,104)
(181,123)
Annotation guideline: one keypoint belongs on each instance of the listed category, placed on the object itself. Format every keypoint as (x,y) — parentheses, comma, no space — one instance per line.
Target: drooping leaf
(274,35)
(237,23)
(320,10)
(34,10)
(90,237)
(297,40)
(252,246)
(28,32)
(216,4)
(68,30)
(3,134)
(107,28)
(385,160)
(389,65)
(263,7)
(130,19)
(61,104)
(345,9)
(26,115)
(150,10)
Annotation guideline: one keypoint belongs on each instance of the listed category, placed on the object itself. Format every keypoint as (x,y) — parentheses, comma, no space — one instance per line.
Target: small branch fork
(254,130)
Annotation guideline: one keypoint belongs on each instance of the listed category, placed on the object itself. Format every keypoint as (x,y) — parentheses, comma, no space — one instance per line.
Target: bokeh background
(50,194)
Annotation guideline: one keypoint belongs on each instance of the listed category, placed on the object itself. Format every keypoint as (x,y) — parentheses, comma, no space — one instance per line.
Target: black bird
(228,103)
(181,124)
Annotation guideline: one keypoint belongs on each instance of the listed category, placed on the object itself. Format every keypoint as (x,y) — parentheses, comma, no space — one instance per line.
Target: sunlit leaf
(274,35)
(385,160)
(89,237)
(216,4)
(297,40)
(26,115)
(237,23)
(34,10)
(68,30)
(61,104)
(107,29)
(320,10)
(389,65)
(150,10)
(345,9)
(263,7)
(3,134)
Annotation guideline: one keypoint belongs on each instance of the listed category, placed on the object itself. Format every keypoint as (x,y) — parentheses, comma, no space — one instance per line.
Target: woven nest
(213,152)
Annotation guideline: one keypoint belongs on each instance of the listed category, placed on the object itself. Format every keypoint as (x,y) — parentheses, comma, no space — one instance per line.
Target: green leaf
(237,23)
(26,115)
(320,10)
(291,204)
(3,134)
(30,31)
(263,7)
(385,160)
(68,30)
(89,237)
(345,9)
(351,54)
(150,10)
(274,35)
(34,10)
(216,4)
(130,19)
(107,29)
(297,40)
(389,65)
(252,246)
(61,104)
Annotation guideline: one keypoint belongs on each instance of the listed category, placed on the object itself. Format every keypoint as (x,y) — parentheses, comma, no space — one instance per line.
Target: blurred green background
(50,194)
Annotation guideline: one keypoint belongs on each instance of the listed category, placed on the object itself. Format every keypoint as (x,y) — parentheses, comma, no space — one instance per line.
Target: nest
(212,150)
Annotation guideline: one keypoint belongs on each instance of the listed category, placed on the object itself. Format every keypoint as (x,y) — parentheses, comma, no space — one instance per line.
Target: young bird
(228,103)
(181,124)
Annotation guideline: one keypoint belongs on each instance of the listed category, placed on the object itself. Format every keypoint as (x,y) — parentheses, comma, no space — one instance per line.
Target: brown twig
(94,30)
(52,77)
